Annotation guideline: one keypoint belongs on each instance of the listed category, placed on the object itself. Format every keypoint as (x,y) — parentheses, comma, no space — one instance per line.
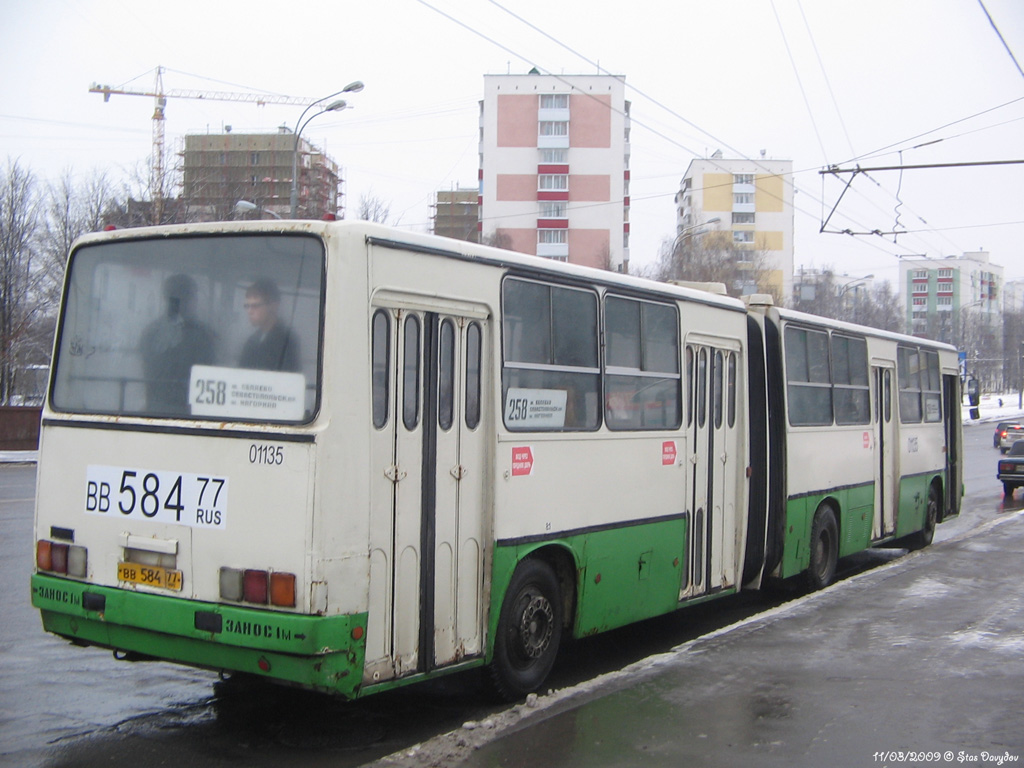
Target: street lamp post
(334,106)
(855,284)
(244,206)
(687,230)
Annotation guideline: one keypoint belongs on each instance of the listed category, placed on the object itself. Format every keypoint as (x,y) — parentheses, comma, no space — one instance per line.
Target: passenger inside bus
(273,346)
(171,345)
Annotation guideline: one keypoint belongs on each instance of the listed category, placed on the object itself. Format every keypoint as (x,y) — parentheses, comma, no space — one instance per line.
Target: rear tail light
(44,559)
(282,589)
(77,561)
(259,587)
(231,584)
(254,587)
(57,557)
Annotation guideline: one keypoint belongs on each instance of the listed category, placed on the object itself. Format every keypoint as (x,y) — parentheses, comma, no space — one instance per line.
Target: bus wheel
(529,631)
(824,548)
(924,537)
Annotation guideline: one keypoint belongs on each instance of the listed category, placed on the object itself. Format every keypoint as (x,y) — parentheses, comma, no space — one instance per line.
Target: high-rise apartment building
(938,293)
(219,169)
(751,199)
(554,167)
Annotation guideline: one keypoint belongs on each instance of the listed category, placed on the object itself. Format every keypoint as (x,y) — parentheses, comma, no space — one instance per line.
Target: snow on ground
(1005,407)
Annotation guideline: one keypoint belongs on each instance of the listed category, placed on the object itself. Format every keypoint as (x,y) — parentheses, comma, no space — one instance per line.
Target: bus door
(886,455)
(951,424)
(711,425)
(427,481)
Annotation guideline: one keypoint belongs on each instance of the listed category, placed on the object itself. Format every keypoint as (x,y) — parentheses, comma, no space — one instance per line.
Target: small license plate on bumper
(149,576)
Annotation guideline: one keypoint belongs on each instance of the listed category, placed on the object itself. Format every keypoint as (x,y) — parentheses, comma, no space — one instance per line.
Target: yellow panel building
(751,199)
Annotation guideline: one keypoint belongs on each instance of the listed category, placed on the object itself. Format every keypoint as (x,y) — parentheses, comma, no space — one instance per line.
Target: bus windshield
(222,327)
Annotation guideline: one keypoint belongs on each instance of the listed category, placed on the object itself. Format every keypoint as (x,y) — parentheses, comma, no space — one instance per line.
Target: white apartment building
(752,199)
(554,167)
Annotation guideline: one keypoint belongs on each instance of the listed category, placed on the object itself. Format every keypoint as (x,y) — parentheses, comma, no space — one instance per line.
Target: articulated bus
(346,458)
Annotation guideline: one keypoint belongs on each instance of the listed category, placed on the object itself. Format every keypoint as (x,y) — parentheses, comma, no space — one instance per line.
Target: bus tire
(824,548)
(529,631)
(924,537)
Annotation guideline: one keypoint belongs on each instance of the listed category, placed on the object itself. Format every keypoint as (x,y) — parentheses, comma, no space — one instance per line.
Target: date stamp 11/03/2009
(896,756)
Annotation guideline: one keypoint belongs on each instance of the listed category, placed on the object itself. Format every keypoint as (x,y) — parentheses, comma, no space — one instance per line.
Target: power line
(799,82)
(1001,38)
(835,170)
(824,74)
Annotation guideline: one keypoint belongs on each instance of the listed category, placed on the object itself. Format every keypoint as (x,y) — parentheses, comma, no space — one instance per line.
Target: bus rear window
(222,327)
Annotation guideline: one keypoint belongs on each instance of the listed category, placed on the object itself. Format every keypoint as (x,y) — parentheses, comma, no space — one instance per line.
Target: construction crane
(160,96)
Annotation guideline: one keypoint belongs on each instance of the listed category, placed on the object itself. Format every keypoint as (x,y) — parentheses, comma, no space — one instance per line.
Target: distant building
(845,293)
(752,199)
(938,291)
(554,167)
(219,169)
(1013,296)
(456,214)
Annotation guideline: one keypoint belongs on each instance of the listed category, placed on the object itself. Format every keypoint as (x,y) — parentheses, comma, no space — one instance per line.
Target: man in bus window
(272,346)
(171,345)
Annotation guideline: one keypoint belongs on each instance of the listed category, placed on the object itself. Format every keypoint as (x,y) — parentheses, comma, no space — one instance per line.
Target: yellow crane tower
(160,96)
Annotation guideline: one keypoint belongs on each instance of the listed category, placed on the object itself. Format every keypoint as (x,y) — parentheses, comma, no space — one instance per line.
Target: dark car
(1009,436)
(1000,428)
(1011,468)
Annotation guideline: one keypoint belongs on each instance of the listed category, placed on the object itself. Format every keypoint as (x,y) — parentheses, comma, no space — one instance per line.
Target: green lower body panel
(913,504)
(316,652)
(855,507)
(619,575)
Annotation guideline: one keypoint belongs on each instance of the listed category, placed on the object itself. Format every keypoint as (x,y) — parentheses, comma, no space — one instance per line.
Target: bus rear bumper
(315,652)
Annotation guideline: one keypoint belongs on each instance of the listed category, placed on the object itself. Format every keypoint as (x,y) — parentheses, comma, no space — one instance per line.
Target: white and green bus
(348,458)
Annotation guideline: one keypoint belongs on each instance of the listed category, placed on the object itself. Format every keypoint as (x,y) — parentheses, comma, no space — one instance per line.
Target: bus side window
(716,377)
(379,355)
(908,360)
(702,387)
(446,376)
(473,375)
(732,389)
(411,374)
(689,386)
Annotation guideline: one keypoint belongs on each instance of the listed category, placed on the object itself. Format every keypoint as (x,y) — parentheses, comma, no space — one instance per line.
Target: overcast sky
(840,82)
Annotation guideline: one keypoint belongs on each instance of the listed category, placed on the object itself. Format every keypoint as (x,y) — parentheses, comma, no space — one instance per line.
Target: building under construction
(221,169)
(456,214)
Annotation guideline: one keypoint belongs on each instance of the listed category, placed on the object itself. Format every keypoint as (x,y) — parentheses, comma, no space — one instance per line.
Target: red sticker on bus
(668,453)
(522,460)
(867,439)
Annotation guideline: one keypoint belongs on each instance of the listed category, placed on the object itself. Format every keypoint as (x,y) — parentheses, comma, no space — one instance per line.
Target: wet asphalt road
(66,706)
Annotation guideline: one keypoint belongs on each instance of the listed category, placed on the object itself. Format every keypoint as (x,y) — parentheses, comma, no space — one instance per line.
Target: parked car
(1000,428)
(1009,436)
(1011,468)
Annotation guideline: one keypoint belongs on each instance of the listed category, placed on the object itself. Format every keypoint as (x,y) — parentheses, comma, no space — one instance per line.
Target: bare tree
(498,239)
(69,211)
(373,208)
(881,309)
(712,257)
(980,336)
(816,292)
(18,224)
(819,292)
(1013,349)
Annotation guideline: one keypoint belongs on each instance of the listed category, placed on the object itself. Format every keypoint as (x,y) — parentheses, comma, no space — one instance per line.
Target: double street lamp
(302,122)
(685,231)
